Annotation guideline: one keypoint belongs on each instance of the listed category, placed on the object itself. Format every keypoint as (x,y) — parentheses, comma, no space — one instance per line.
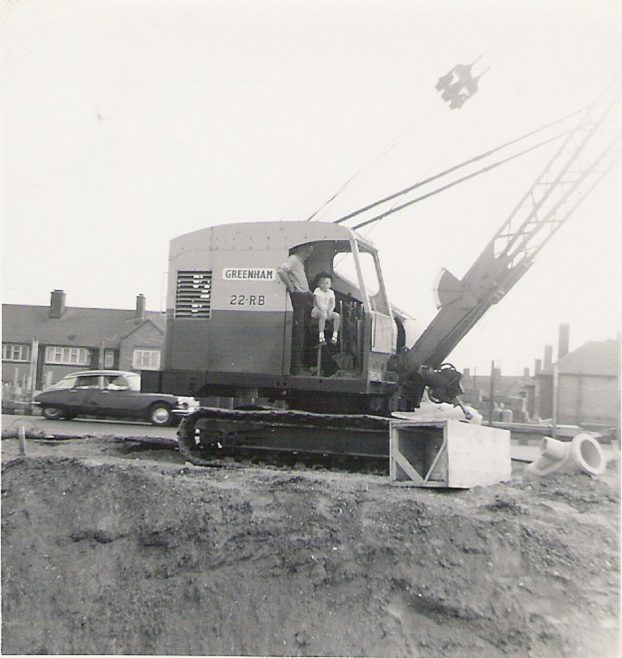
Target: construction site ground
(116,547)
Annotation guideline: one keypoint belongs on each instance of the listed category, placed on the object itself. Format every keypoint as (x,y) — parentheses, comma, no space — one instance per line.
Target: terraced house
(41,344)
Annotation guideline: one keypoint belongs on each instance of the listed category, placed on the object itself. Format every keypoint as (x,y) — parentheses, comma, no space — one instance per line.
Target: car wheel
(160,414)
(54,413)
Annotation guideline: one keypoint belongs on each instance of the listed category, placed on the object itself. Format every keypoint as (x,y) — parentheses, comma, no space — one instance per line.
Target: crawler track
(350,442)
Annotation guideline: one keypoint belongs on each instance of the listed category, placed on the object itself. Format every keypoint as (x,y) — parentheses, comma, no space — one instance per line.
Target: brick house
(41,344)
(588,386)
(509,393)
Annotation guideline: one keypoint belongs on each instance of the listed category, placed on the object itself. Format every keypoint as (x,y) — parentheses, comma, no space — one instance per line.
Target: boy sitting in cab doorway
(324,307)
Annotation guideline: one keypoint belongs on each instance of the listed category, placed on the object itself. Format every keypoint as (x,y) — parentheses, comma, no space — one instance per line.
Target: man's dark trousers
(301,303)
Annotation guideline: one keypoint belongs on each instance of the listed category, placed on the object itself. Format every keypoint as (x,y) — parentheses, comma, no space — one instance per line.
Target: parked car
(110,393)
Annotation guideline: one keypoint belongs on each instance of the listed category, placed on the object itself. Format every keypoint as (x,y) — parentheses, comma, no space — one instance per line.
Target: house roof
(592,358)
(83,327)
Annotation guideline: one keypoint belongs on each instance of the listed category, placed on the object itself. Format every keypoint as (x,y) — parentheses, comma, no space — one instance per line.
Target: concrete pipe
(582,454)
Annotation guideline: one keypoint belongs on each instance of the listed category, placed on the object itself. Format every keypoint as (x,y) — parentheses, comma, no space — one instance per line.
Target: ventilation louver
(194,294)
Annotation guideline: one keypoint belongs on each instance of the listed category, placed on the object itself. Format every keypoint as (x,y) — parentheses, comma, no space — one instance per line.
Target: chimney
(57,304)
(537,366)
(548,355)
(525,373)
(563,345)
(140,307)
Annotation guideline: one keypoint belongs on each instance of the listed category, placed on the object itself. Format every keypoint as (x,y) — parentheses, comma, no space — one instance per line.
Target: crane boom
(586,155)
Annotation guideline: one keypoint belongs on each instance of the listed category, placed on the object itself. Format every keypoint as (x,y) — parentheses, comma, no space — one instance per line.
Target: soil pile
(105,554)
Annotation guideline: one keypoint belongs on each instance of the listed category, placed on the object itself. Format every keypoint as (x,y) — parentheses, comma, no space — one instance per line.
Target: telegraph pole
(492,393)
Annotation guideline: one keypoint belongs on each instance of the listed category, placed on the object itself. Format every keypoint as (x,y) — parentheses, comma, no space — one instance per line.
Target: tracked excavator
(229,324)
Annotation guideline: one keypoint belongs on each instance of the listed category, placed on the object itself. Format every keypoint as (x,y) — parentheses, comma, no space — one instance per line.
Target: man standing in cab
(292,274)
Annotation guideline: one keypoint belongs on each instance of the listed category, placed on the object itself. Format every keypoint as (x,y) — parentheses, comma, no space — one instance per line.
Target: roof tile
(84,327)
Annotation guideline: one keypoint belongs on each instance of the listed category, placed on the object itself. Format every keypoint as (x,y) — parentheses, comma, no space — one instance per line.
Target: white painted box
(448,453)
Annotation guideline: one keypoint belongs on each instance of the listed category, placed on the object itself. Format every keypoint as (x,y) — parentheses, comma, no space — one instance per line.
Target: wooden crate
(448,453)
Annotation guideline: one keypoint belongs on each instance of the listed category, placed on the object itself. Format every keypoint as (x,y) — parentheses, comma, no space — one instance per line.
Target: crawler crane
(229,318)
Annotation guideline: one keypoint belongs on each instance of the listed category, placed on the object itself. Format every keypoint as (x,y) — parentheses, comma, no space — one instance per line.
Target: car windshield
(114,381)
(67,382)
(122,382)
(88,381)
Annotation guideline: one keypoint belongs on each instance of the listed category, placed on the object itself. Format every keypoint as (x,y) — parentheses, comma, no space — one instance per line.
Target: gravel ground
(110,547)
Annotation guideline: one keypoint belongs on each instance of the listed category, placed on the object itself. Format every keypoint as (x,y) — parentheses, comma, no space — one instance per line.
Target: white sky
(126,123)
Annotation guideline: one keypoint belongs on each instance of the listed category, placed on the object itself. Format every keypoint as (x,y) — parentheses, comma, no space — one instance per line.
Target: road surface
(90,427)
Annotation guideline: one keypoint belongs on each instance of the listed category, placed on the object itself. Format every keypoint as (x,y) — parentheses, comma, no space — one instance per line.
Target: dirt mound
(140,558)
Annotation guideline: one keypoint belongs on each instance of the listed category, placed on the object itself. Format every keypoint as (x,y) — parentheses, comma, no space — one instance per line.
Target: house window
(70,356)
(146,359)
(13,352)
(109,358)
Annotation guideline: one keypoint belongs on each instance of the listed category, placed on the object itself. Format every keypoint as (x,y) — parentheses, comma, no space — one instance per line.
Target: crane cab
(229,317)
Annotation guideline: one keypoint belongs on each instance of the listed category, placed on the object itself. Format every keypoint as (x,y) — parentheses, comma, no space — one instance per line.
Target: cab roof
(264,235)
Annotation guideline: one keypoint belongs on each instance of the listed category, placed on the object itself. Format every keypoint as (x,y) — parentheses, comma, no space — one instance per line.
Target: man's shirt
(295,267)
